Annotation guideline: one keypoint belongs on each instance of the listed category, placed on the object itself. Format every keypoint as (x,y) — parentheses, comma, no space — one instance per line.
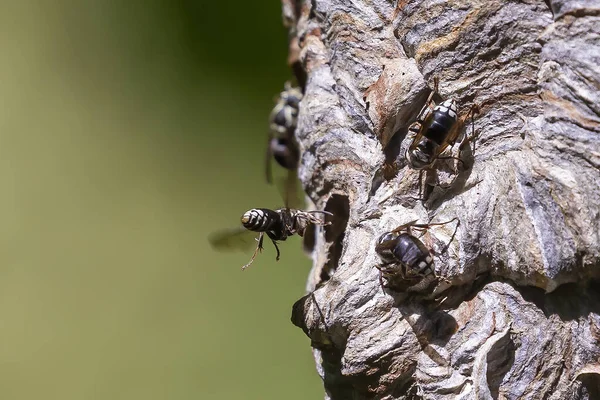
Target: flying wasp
(436,128)
(278,225)
(406,260)
(281,143)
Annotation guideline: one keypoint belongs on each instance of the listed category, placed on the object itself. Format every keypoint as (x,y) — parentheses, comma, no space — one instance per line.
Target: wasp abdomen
(411,252)
(442,121)
(284,119)
(405,250)
(261,220)
(284,152)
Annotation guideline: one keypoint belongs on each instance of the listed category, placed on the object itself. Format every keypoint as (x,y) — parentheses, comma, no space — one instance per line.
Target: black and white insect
(406,260)
(437,127)
(278,225)
(281,144)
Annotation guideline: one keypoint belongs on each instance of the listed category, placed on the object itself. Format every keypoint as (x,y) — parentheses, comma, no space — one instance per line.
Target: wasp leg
(443,223)
(420,196)
(421,184)
(453,158)
(311,217)
(321,315)
(454,134)
(445,248)
(383,287)
(277,249)
(259,248)
(436,81)
(473,136)
(405,227)
(426,226)
(422,228)
(415,127)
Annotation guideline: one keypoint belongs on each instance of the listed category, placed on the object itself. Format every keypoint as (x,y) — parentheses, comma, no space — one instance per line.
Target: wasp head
(423,154)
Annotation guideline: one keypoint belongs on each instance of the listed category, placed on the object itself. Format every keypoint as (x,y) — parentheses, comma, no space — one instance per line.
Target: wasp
(406,260)
(281,144)
(436,128)
(278,225)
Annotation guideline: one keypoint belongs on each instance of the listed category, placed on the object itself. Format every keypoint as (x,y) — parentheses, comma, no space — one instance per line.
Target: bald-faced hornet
(281,142)
(276,224)
(436,128)
(406,260)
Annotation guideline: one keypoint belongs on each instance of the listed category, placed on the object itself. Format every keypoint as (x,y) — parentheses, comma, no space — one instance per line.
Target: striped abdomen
(404,255)
(436,129)
(411,252)
(262,220)
(441,123)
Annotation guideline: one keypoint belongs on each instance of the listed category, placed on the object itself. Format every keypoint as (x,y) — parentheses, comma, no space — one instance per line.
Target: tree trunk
(514,312)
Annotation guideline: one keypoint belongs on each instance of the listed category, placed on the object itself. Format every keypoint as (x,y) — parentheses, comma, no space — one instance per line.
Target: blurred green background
(129,131)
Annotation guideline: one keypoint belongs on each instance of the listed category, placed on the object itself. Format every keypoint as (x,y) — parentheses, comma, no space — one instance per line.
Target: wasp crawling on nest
(437,127)
(281,144)
(407,262)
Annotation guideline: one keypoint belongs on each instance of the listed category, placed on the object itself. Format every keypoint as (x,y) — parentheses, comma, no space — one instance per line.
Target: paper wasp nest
(519,317)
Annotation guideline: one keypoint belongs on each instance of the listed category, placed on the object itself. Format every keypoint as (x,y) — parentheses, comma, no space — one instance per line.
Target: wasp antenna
(445,248)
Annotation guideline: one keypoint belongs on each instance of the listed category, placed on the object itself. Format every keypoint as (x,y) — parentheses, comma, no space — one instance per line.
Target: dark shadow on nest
(393,161)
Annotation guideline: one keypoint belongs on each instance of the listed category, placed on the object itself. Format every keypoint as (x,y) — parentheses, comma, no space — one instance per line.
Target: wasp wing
(269,159)
(424,120)
(238,239)
(289,190)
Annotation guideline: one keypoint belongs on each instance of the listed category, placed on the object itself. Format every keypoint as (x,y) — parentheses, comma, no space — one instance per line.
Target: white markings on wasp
(252,217)
(448,106)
